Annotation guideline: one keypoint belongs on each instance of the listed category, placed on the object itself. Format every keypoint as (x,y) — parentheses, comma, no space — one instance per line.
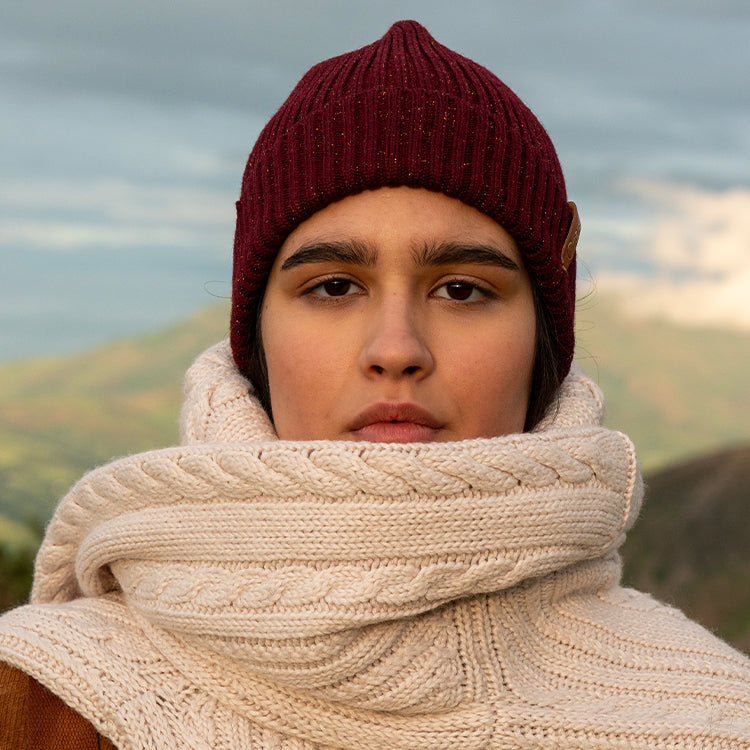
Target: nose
(395,344)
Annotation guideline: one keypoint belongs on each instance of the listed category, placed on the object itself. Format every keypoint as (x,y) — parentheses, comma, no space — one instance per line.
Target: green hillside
(61,417)
(677,392)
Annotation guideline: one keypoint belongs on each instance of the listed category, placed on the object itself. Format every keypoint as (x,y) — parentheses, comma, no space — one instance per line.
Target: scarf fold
(358,594)
(278,539)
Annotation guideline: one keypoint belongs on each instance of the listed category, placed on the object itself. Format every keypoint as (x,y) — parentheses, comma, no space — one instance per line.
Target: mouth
(395,423)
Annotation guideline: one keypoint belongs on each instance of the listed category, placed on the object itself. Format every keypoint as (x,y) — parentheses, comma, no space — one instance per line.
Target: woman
(409,537)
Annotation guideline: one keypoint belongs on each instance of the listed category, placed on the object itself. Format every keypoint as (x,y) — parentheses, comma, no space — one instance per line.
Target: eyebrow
(357,253)
(350,252)
(446,253)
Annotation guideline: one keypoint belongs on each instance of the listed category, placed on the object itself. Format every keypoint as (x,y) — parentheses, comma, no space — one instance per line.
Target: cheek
(292,365)
(289,369)
(491,378)
(501,350)
(497,370)
(307,369)
(304,354)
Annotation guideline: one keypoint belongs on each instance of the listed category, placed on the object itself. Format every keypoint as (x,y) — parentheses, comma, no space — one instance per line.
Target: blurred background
(125,127)
(124,130)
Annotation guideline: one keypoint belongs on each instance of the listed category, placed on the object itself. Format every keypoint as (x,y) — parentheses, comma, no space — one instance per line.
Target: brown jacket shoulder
(33,717)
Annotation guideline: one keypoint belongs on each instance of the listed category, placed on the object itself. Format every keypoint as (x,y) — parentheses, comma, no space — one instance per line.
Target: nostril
(411,369)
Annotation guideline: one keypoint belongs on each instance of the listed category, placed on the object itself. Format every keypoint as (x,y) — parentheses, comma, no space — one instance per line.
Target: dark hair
(257,370)
(544,376)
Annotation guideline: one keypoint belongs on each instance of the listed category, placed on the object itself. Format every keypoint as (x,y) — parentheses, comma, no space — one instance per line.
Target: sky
(125,127)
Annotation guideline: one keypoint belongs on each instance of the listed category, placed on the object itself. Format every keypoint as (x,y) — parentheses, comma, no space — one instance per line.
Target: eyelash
(311,291)
(486,294)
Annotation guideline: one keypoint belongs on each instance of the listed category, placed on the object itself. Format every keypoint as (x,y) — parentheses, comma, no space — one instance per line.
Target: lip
(395,423)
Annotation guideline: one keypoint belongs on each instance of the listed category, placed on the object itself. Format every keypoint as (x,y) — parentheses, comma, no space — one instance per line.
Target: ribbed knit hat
(405,110)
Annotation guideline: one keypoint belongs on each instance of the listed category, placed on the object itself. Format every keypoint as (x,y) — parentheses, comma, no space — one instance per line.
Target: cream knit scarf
(245,592)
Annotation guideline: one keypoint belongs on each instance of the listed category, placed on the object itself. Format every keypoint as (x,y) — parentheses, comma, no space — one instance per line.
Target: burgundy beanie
(405,110)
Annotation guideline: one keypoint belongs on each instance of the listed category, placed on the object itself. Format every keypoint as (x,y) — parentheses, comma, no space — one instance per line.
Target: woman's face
(398,315)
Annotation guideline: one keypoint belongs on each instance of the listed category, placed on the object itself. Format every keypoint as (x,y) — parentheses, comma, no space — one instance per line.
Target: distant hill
(691,546)
(677,392)
(60,417)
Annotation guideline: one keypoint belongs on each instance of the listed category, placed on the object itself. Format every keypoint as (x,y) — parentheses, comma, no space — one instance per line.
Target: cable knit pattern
(241,591)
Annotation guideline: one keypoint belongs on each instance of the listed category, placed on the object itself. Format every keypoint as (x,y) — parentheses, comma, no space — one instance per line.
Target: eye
(335,287)
(462,291)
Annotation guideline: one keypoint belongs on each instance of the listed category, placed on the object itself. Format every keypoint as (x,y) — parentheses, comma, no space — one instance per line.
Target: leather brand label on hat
(569,246)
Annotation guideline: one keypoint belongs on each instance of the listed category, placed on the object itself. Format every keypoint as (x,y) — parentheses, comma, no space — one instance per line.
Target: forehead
(402,218)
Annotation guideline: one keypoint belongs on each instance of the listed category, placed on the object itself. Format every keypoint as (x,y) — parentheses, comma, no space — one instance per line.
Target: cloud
(697,248)
(218,52)
(69,215)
